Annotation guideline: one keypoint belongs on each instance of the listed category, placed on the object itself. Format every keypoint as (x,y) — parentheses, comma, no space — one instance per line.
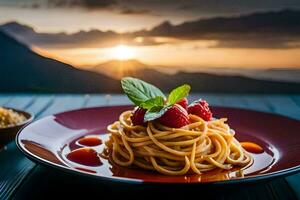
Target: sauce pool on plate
(89,141)
(85,156)
(252,147)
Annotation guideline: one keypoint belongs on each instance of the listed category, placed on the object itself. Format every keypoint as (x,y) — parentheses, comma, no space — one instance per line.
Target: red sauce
(90,141)
(86,170)
(252,147)
(85,156)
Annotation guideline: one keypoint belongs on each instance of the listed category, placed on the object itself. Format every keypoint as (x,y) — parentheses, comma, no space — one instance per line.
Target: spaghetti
(195,148)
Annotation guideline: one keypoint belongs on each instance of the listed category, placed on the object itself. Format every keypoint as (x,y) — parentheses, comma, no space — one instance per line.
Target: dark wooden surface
(22,179)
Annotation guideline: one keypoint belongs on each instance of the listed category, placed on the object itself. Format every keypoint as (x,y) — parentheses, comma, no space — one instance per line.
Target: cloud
(169,8)
(35,6)
(271,43)
(130,11)
(88,4)
(275,29)
(280,29)
(113,5)
(92,38)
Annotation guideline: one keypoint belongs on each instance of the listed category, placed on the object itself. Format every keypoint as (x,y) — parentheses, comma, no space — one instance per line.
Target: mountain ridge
(22,70)
(25,71)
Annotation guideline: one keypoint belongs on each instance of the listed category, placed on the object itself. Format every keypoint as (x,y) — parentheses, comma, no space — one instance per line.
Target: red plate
(49,140)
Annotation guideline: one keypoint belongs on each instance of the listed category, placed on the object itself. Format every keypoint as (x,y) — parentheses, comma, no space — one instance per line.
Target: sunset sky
(90,32)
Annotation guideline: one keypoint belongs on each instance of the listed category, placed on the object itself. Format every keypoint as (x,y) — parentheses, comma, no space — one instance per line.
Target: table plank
(294,183)
(21,102)
(288,106)
(282,189)
(233,101)
(14,170)
(42,106)
(76,185)
(63,103)
(257,102)
(212,99)
(4,98)
(59,103)
(117,100)
(14,166)
(296,99)
(284,105)
(97,100)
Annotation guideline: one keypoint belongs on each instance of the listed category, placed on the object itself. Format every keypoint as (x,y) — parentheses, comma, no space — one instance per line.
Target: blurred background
(75,46)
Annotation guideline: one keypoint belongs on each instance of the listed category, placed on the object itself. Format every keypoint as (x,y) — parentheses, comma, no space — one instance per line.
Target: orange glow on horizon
(179,56)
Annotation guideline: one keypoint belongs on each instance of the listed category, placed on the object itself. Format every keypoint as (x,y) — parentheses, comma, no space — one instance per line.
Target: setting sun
(123,52)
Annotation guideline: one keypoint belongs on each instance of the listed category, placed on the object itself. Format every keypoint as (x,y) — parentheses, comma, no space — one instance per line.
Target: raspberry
(183,102)
(137,117)
(175,117)
(201,109)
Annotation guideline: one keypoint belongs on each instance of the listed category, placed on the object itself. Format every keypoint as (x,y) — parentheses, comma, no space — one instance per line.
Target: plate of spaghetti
(165,139)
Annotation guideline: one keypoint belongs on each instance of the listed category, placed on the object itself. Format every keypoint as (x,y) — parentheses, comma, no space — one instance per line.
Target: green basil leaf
(139,91)
(178,94)
(154,102)
(155,112)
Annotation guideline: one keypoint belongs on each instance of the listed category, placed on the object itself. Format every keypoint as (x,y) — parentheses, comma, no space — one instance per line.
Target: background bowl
(9,133)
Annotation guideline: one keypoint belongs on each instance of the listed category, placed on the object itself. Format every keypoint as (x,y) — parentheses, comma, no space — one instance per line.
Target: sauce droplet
(86,170)
(85,156)
(252,147)
(90,141)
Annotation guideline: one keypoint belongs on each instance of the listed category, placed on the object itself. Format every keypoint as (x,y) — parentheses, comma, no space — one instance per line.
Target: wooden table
(20,178)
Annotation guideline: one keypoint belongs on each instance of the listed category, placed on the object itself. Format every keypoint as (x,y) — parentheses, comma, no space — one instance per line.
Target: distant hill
(22,70)
(200,81)
(117,68)
(204,82)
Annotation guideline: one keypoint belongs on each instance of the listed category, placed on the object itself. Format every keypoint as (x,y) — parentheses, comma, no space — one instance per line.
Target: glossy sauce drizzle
(86,170)
(84,156)
(252,147)
(90,141)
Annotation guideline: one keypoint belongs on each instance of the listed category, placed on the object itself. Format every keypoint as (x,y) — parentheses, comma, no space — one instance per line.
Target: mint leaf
(178,94)
(155,112)
(154,102)
(139,91)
